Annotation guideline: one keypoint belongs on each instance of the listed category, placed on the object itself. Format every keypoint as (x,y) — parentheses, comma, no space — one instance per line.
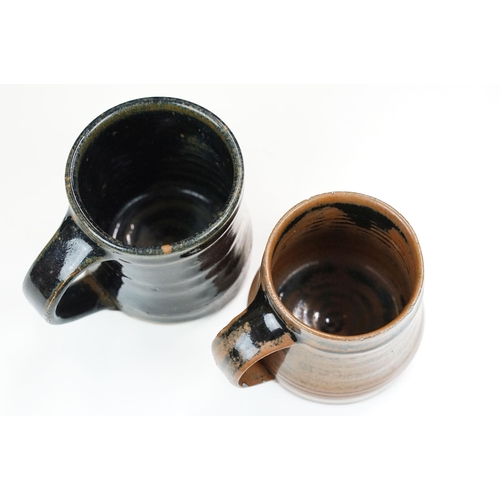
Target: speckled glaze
(335,312)
(155,226)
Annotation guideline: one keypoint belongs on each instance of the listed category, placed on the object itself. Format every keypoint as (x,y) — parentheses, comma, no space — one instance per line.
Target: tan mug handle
(241,346)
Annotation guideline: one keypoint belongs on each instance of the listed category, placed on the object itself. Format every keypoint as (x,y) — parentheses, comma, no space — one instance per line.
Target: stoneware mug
(155,226)
(335,311)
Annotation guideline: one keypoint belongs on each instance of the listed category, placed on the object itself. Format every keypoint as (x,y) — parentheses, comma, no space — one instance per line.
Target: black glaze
(154,178)
(339,299)
(154,227)
(183,286)
(367,217)
(266,330)
(362,216)
(68,253)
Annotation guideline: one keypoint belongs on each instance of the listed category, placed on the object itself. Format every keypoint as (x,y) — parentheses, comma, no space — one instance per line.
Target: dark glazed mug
(336,310)
(155,226)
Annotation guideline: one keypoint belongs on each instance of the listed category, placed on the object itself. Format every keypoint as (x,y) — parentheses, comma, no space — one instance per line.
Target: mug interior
(154,173)
(345,265)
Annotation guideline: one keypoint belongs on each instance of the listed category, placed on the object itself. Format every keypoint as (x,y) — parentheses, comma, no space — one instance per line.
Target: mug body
(335,311)
(155,226)
(333,370)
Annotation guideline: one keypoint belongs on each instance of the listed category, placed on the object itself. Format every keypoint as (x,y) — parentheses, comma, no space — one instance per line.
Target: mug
(155,226)
(335,312)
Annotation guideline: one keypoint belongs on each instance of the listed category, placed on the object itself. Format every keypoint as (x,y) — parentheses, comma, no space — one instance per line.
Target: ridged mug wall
(155,226)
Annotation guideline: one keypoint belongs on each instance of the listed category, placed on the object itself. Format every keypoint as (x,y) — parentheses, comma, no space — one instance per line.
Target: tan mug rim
(324,199)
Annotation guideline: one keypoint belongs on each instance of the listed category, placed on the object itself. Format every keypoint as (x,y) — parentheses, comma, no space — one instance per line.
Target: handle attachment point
(57,284)
(240,348)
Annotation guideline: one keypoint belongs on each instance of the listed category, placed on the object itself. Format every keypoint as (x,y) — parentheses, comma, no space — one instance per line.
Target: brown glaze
(336,309)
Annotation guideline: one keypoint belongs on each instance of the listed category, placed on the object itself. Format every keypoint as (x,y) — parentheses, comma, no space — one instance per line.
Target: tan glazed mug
(335,312)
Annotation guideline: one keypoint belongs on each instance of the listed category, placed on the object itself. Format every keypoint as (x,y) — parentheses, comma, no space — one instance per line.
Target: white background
(431,152)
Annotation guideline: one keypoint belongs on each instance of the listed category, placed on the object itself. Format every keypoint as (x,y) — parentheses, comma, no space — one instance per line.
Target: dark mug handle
(50,283)
(240,348)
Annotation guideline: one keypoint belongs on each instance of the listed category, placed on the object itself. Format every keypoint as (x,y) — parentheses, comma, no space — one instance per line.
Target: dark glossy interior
(342,274)
(154,177)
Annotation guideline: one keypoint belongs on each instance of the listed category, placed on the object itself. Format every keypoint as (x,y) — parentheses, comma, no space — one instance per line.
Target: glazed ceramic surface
(155,226)
(335,312)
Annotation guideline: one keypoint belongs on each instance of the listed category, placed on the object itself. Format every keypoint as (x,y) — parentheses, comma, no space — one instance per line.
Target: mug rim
(300,209)
(135,106)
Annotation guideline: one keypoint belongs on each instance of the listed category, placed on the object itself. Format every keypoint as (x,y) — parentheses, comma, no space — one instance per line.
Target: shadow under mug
(155,226)
(335,312)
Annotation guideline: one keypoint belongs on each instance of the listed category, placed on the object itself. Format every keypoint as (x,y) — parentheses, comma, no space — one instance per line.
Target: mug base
(337,399)
(356,397)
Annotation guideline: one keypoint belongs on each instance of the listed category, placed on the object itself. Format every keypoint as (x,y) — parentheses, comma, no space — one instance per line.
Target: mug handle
(48,284)
(241,346)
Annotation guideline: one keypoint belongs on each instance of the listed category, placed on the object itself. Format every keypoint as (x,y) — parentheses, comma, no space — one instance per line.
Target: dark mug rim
(139,105)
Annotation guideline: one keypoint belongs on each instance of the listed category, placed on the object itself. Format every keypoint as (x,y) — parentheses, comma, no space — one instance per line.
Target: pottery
(155,226)
(335,312)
